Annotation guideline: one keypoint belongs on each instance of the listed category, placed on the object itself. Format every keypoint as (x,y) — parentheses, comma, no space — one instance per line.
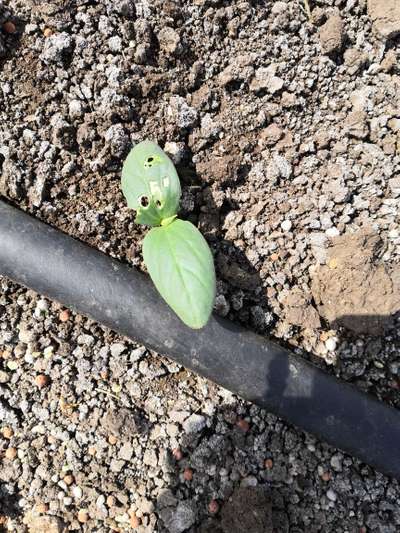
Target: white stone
(286,225)
(331,344)
(331,495)
(194,423)
(332,232)
(115,43)
(76,492)
(75,109)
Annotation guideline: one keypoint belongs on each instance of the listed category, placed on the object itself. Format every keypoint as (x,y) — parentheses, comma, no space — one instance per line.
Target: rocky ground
(283,119)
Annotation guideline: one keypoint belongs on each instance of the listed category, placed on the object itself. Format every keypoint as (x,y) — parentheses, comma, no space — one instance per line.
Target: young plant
(176,254)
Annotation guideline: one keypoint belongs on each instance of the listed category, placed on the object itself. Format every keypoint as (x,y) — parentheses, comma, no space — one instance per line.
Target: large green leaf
(181,266)
(150,184)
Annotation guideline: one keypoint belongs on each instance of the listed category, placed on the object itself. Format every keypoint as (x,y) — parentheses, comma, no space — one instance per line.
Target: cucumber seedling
(176,254)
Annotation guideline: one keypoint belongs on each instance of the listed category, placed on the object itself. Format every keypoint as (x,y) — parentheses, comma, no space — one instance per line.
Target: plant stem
(307,8)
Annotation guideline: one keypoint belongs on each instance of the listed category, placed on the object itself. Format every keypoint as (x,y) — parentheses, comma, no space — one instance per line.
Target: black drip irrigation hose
(55,265)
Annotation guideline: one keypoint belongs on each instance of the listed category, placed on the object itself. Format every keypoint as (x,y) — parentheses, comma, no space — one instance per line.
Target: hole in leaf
(144,201)
(158,203)
(149,162)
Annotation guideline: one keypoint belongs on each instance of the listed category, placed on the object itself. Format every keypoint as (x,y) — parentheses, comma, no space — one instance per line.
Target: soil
(283,121)
(252,518)
(355,289)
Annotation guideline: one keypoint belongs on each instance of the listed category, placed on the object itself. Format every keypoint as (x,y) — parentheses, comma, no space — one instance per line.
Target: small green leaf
(150,184)
(181,266)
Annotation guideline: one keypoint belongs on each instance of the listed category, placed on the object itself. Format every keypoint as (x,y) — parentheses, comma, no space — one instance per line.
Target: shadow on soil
(261,508)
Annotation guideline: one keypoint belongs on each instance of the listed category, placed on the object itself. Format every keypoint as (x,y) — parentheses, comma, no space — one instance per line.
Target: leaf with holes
(150,184)
(181,266)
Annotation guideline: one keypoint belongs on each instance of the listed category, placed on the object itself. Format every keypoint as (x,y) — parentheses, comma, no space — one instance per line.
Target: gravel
(285,131)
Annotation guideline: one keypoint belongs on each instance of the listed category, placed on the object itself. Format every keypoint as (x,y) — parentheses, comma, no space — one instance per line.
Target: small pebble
(213,507)
(41,508)
(62,485)
(100,501)
(115,43)
(331,495)
(42,380)
(12,365)
(4,377)
(69,479)
(41,308)
(83,516)
(326,476)
(77,492)
(7,432)
(268,463)
(188,474)
(48,352)
(243,425)
(116,388)
(332,232)
(134,521)
(110,501)
(9,27)
(5,354)
(11,453)
(331,344)
(177,453)
(64,315)
(286,225)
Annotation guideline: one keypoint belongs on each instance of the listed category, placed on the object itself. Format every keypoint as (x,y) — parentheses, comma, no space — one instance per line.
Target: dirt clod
(355,289)
(39,524)
(298,309)
(248,509)
(332,34)
(385,15)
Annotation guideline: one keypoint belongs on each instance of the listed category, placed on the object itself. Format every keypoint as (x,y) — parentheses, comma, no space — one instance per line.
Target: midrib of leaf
(176,263)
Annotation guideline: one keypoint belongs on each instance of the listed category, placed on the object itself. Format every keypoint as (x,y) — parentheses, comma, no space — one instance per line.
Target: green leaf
(150,184)
(181,266)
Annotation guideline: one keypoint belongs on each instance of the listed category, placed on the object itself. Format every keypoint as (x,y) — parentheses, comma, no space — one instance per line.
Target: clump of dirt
(385,15)
(38,524)
(249,509)
(355,289)
(298,309)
